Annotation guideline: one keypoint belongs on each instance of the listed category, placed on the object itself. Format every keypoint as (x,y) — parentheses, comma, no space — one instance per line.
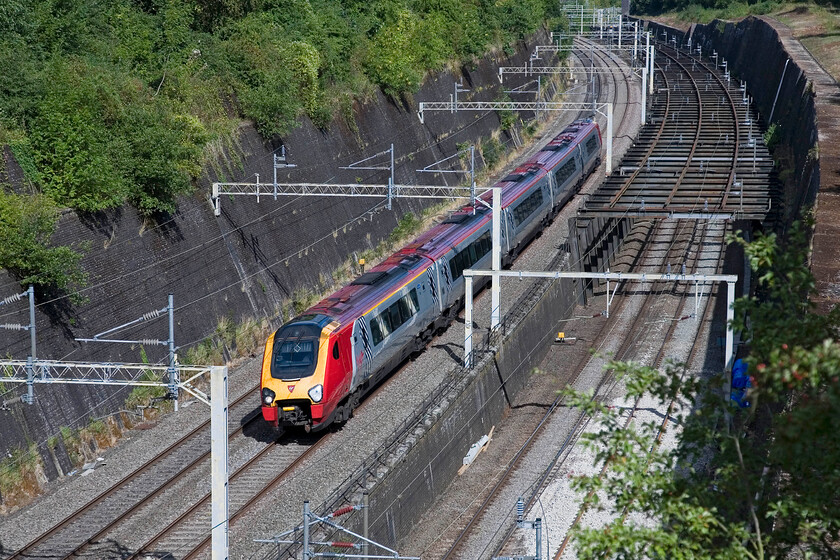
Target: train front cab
(296,387)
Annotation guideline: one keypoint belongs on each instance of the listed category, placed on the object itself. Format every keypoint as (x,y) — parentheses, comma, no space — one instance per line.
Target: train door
(440,283)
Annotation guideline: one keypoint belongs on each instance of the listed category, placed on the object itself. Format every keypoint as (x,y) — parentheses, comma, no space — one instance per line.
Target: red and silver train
(317,367)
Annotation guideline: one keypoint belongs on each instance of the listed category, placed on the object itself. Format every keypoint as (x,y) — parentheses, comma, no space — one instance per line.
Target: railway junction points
(695,169)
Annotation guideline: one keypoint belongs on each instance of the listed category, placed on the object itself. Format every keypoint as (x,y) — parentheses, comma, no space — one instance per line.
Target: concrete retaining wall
(252,260)
(409,488)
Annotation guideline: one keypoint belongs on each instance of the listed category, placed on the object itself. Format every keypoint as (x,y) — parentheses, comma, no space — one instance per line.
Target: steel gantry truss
(34,372)
(388,191)
(698,280)
(496,273)
(145,375)
(605,109)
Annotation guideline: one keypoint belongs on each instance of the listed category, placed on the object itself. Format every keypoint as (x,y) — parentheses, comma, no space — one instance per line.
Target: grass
(816,26)
(21,476)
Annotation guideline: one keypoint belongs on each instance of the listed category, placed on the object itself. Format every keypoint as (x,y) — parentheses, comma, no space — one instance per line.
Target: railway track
(73,534)
(703,153)
(663,243)
(717,238)
(523,305)
(344,494)
(686,246)
(184,537)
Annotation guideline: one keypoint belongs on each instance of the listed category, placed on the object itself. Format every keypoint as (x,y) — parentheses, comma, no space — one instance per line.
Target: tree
(740,483)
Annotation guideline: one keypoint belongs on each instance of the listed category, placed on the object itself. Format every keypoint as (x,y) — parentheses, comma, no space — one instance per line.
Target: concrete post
(365,525)
(635,41)
(620,22)
(472,176)
(496,264)
(219,461)
(306,555)
(730,315)
(609,138)
(174,380)
(214,198)
(468,308)
(644,94)
(650,70)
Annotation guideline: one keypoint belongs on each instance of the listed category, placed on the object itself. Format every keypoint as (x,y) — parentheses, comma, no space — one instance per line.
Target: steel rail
(205,500)
(453,549)
(652,147)
(119,485)
(692,354)
(159,490)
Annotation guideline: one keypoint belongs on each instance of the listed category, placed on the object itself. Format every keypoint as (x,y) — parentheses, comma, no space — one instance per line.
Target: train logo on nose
(291,388)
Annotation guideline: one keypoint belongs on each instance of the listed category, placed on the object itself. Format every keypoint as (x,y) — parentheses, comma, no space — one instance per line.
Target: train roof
(366,291)
(377,284)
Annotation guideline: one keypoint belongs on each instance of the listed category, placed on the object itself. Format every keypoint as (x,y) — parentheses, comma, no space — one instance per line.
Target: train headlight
(316,393)
(267,396)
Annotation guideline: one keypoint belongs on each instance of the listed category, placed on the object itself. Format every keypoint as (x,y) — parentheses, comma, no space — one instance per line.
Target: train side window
(527,207)
(335,350)
(592,144)
(376,331)
(415,302)
(454,266)
(484,245)
(564,172)
(405,309)
(387,326)
(394,312)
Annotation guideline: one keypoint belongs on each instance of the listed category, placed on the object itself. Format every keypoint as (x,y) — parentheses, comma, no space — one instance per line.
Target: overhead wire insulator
(151,341)
(14,327)
(151,315)
(343,544)
(343,511)
(12,299)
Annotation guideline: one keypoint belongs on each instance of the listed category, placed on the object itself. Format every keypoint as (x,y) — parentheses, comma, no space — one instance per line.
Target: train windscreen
(295,352)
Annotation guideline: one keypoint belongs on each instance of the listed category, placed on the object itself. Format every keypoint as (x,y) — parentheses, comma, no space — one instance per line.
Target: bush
(394,59)
(116,103)
(772,136)
(26,225)
(491,151)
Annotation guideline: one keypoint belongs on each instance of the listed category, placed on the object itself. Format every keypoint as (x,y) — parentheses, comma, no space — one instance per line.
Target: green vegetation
(19,475)
(73,444)
(115,103)
(408,225)
(491,150)
(231,340)
(707,10)
(125,101)
(143,396)
(771,136)
(749,483)
(26,226)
